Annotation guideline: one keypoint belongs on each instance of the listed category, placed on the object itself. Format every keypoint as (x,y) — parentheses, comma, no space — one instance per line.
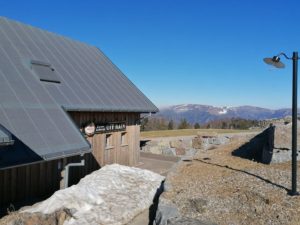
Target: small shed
(61,101)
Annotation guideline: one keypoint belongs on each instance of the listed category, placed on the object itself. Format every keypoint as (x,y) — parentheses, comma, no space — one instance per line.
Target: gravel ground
(229,190)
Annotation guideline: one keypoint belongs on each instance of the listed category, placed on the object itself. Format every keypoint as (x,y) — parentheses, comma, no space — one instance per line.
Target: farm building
(63,104)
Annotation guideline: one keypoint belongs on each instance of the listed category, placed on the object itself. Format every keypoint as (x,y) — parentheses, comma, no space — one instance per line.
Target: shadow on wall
(260,148)
(18,153)
(143,143)
(153,207)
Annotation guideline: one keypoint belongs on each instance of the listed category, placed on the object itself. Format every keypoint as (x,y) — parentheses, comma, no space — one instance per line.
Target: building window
(124,138)
(44,71)
(108,141)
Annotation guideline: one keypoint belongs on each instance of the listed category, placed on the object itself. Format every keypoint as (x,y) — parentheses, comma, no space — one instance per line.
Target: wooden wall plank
(13,183)
(1,186)
(102,155)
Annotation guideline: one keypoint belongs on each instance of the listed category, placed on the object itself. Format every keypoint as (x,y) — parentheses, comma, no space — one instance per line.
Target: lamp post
(275,61)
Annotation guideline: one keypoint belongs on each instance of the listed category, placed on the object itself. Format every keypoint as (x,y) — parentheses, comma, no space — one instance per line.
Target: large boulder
(156,147)
(172,146)
(210,142)
(197,142)
(273,145)
(282,143)
(114,194)
(283,136)
(181,143)
(169,151)
(187,221)
(180,151)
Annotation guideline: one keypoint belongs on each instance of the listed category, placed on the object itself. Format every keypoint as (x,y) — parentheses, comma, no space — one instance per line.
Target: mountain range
(205,113)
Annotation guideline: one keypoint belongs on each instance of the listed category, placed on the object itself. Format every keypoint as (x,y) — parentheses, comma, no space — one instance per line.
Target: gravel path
(228,190)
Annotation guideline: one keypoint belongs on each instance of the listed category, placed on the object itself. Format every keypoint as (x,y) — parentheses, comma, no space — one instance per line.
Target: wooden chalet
(63,104)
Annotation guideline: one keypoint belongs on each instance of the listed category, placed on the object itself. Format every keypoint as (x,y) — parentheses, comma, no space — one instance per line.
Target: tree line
(153,123)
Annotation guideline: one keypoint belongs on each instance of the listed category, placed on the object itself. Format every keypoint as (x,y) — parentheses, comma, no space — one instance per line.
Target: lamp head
(274,61)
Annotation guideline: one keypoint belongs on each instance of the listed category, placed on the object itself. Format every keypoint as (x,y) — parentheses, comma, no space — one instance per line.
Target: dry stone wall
(183,146)
(273,145)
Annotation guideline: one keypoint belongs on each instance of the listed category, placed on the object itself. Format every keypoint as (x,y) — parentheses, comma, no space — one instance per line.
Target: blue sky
(183,51)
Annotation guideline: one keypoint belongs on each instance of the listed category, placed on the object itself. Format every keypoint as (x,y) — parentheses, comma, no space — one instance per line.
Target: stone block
(197,142)
(169,151)
(180,151)
(176,144)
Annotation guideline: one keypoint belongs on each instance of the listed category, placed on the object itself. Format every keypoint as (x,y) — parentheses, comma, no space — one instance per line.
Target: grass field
(186,132)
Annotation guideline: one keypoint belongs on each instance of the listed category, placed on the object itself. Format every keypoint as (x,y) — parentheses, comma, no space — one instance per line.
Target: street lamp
(275,61)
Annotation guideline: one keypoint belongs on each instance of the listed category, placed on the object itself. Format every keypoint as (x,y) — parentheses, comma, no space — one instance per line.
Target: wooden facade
(41,179)
(123,153)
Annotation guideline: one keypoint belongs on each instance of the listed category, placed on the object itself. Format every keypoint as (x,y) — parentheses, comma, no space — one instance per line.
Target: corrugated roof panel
(89,78)
(31,109)
(42,52)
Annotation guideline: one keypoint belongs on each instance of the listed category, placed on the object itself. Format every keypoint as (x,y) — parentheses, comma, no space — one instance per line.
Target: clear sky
(183,51)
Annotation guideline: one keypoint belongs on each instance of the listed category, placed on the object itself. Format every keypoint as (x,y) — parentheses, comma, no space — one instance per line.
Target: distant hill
(205,113)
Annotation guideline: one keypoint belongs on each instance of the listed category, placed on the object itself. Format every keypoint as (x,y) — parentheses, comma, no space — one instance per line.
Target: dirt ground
(224,189)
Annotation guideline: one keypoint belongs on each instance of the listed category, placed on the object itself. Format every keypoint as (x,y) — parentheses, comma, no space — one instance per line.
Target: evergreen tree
(171,125)
(144,123)
(183,124)
(197,126)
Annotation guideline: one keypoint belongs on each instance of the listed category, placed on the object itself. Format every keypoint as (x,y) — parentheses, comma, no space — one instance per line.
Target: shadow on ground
(245,172)
(259,148)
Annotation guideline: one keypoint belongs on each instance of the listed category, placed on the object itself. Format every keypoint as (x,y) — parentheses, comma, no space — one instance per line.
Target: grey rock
(283,136)
(181,143)
(169,151)
(209,141)
(187,221)
(280,156)
(164,213)
(176,144)
(190,152)
(163,143)
(197,142)
(273,145)
(180,151)
(197,204)
(155,149)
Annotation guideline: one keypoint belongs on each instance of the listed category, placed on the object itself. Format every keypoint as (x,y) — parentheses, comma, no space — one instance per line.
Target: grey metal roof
(86,80)
(89,80)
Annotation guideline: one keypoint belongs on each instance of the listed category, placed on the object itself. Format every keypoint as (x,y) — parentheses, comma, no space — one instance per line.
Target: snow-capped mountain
(204,113)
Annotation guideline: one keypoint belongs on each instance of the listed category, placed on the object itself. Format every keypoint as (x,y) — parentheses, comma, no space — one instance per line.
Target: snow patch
(224,110)
(182,108)
(113,195)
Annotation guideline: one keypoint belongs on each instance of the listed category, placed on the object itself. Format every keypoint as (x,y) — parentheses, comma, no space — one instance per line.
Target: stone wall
(273,145)
(183,146)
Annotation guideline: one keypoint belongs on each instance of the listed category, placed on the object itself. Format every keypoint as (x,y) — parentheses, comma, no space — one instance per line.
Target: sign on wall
(109,127)
(89,129)
(92,128)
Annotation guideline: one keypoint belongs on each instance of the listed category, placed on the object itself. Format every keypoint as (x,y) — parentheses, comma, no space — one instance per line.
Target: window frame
(47,74)
(109,141)
(124,138)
